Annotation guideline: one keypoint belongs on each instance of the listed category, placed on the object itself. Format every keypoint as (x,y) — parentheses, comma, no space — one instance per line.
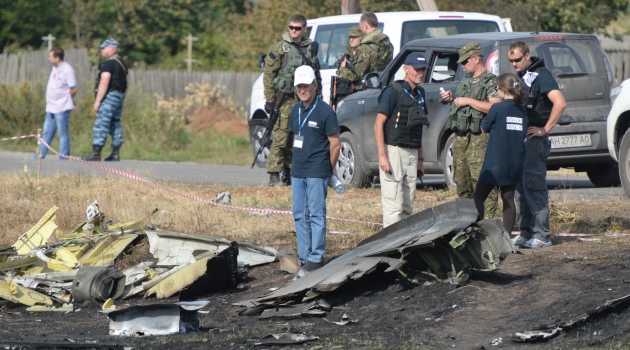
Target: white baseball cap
(304,75)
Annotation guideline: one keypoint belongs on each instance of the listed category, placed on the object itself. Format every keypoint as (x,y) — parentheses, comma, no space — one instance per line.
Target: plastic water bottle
(336,184)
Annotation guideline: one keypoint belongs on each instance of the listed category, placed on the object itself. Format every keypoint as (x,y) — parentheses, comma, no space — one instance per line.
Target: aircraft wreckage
(440,244)
(49,275)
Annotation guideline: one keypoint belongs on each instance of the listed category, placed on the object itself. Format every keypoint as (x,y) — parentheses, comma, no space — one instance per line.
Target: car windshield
(413,30)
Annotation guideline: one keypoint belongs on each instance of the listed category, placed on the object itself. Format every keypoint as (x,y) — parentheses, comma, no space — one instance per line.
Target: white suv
(618,131)
(331,33)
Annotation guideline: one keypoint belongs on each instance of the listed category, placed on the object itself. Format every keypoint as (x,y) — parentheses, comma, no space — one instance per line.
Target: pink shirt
(58,98)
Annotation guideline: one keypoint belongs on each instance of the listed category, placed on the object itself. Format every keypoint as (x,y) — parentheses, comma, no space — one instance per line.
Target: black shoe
(310,266)
(115,156)
(95,155)
(274,179)
(286,176)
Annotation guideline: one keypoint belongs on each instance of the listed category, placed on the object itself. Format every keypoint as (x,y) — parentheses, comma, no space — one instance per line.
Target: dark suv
(576,61)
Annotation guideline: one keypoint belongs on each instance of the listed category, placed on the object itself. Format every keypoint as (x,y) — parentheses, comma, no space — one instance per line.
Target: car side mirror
(372,81)
(261,61)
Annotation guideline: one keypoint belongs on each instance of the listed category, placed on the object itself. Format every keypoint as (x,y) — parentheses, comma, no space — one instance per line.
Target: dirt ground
(532,288)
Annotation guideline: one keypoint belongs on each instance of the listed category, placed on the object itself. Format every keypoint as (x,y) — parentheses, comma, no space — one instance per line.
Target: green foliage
(21,109)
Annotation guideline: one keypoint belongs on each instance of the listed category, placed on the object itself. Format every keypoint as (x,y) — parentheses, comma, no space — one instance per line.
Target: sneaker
(310,266)
(519,241)
(536,243)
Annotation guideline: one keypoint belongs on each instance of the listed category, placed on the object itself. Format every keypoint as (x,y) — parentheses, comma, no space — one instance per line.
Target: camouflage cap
(355,31)
(468,51)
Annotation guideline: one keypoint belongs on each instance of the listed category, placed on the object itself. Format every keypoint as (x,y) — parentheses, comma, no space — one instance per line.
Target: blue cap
(416,60)
(109,42)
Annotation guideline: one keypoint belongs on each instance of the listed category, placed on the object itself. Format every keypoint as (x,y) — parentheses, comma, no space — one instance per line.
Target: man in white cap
(111,85)
(402,112)
(316,146)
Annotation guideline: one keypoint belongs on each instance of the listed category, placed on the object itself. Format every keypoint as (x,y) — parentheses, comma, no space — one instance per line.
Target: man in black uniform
(111,85)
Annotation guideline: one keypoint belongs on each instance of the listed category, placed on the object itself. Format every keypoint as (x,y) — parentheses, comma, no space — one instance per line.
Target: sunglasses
(465,62)
(295,28)
(516,60)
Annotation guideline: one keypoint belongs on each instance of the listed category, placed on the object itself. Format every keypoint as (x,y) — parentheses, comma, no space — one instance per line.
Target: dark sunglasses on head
(295,28)
(516,60)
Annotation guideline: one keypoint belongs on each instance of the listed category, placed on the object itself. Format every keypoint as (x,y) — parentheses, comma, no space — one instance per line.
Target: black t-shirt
(118,70)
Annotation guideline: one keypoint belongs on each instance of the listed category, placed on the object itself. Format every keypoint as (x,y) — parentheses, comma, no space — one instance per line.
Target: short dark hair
(298,19)
(369,18)
(57,52)
(521,45)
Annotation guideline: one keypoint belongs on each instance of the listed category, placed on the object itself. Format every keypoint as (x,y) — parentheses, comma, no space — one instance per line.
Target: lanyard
(419,101)
(301,123)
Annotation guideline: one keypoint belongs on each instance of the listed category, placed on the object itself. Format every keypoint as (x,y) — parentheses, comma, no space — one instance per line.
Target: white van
(331,33)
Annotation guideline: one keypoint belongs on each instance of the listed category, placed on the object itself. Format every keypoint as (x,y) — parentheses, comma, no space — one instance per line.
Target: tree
(23,23)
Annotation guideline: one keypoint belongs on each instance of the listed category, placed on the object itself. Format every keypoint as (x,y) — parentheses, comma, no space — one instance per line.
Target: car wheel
(624,162)
(447,161)
(349,168)
(257,132)
(604,174)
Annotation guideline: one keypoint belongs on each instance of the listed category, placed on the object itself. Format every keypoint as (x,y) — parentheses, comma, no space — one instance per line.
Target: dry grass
(24,201)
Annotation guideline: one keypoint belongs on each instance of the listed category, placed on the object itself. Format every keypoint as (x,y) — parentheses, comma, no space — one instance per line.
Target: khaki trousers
(398,189)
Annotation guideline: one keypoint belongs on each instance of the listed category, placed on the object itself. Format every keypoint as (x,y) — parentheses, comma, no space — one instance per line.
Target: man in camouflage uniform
(473,99)
(375,50)
(347,71)
(290,52)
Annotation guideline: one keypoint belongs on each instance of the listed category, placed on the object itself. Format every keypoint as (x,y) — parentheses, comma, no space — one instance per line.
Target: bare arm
(73,91)
(421,160)
(335,146)
(379,135)
(102,89)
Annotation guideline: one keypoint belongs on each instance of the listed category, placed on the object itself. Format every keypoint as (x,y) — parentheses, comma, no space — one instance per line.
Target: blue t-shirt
(314,124)
(507,124)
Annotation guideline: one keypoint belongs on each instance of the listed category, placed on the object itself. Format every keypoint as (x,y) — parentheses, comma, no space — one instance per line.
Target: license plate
(569,141)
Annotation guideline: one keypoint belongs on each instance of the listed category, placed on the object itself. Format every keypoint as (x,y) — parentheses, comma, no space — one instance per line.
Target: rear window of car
(421,29)
(332,40)
(560,58)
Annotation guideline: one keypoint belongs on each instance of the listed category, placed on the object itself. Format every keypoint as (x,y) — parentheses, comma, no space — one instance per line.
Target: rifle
(333,92)
(265,140)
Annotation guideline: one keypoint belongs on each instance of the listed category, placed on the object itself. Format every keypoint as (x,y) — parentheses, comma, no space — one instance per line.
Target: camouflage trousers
(468,154)
(108,120)
(281,150)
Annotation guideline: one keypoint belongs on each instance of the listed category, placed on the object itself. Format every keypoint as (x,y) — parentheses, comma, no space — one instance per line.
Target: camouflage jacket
(282,60)
(348,72)
(367,56)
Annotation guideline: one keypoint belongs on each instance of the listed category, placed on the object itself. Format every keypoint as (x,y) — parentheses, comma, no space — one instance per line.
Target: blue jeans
(309,215)
(57,122)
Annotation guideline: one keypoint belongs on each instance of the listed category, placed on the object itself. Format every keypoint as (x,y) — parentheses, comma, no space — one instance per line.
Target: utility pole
(50,40)
(190,60)
(427,5)
(349,7)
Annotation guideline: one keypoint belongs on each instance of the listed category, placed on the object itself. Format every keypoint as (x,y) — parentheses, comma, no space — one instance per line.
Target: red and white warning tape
(20,137)
(183,194)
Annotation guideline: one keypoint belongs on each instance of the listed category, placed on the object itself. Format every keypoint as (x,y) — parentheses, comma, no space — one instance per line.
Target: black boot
(115,156)
(95,155)
(286,176)
(274,179)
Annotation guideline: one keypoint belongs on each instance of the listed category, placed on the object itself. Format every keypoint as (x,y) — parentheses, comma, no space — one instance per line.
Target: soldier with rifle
(346,83)
(285,56)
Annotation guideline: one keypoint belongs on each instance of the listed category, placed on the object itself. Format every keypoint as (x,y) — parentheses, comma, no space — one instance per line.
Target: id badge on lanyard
(298,140)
